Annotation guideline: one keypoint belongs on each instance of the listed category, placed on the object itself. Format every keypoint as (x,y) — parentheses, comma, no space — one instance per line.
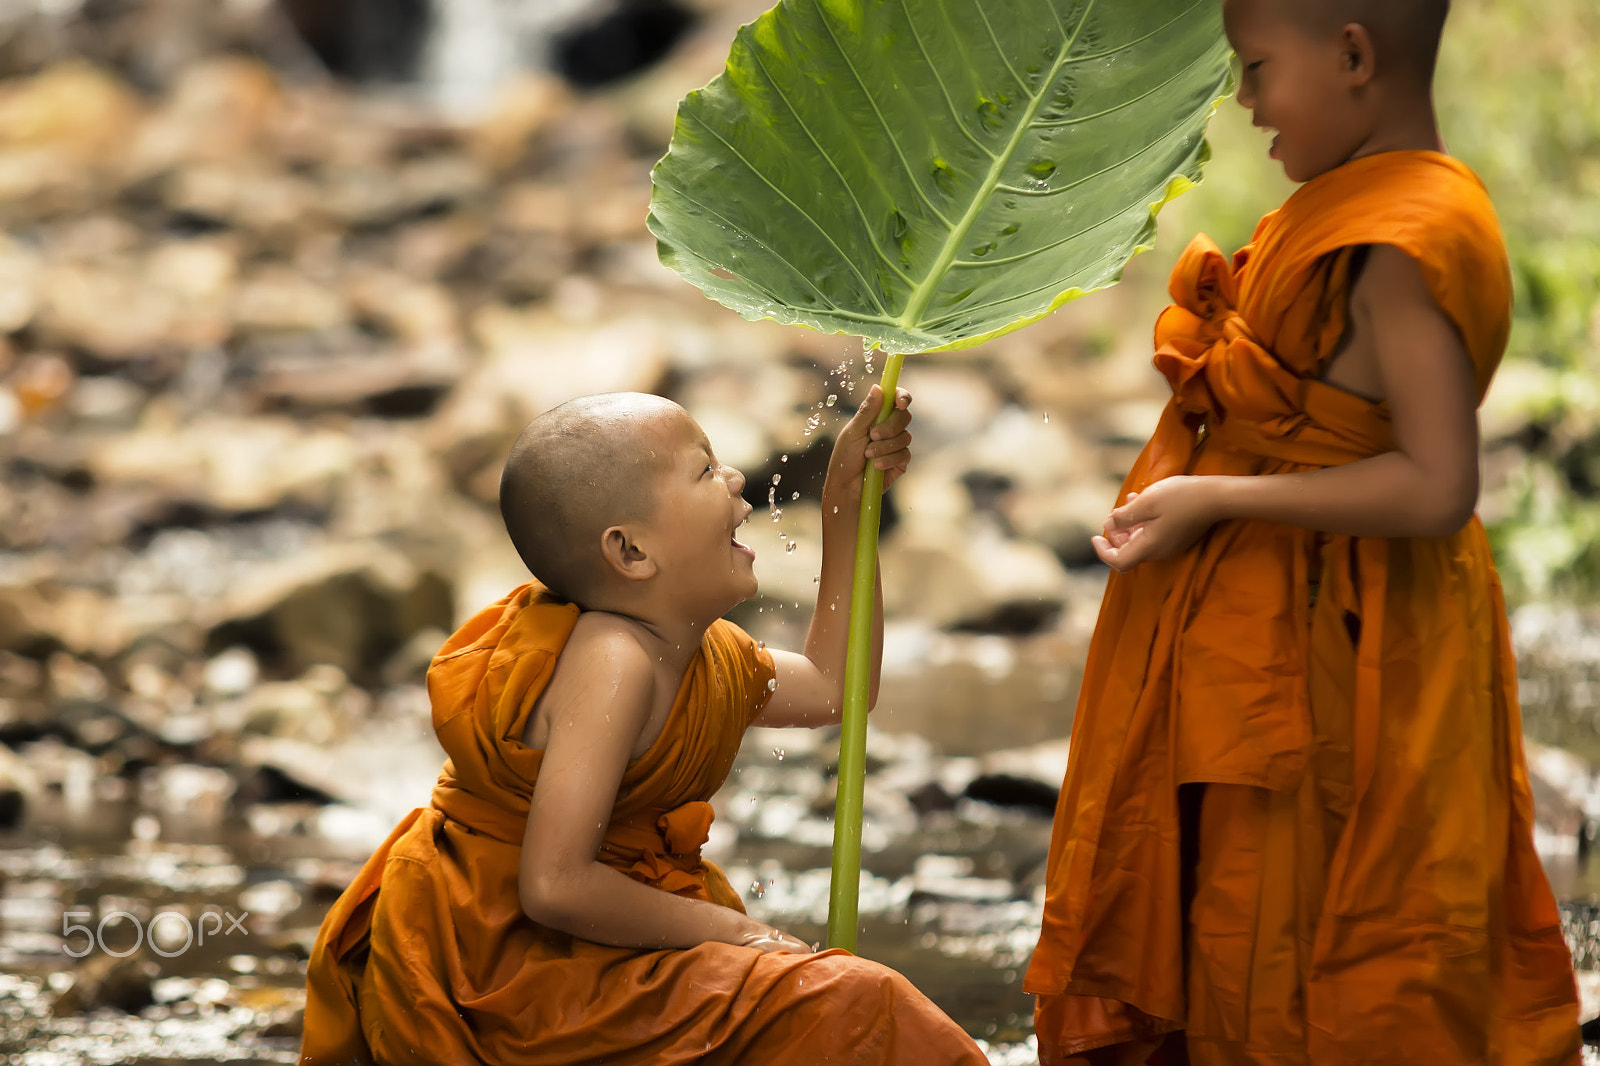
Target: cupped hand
(1158,523)
(886,445)
(769,940)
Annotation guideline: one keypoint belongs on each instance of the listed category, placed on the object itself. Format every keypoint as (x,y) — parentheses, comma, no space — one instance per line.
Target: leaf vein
(955,116)
(867,286)
(887,132)
(1090,177)
(923,293)
(1000,51)
(866,223)
(1056,123)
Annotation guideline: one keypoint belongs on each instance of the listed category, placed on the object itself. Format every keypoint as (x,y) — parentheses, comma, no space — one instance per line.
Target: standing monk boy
(1296,828)
(550,906)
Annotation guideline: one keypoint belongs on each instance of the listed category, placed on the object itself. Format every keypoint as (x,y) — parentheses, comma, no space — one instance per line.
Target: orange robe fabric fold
(428,957)
(1296,827)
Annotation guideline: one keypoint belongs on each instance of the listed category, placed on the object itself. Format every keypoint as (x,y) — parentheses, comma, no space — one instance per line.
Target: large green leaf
(932,173)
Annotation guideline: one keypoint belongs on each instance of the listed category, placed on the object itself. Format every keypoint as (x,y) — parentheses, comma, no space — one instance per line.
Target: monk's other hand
(886,445)
(1158,523)
(1113,535)
(769,940)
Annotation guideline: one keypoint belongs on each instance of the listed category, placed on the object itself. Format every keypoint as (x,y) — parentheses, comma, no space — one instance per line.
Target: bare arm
(596,705)
(1426,487)
(811,686)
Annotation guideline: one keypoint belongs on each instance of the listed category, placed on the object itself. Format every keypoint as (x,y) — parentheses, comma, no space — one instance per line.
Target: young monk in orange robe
(1296,827)
(550,905)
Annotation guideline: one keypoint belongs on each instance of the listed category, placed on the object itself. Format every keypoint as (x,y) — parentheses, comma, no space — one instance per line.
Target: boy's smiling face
(1301,85)
(692,531)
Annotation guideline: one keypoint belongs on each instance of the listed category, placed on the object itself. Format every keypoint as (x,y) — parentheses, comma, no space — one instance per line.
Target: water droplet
(835,508)
(777,478)
(833,606)
(778,753)
(788,549)
(772,684)
(758,889)
(782,459)
(1047,418)
(777,513)
(794,496)
(761,645)
(832,399)
(817,580)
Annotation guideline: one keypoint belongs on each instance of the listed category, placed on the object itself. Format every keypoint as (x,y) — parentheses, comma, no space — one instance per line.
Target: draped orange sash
(1357,882)
(428,957)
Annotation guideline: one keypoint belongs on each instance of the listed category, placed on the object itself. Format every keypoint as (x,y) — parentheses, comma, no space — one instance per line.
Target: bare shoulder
(604,673)
(607,642)
(1391,281)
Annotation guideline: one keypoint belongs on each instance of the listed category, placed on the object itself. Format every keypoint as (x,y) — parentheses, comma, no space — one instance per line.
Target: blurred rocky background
(281,280)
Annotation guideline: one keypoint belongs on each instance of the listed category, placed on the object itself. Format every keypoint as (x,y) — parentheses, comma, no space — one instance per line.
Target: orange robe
(1296,825)
(428,957)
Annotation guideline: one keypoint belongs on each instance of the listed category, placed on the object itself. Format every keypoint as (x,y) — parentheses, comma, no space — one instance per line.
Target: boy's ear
(623,556)
(1356,54)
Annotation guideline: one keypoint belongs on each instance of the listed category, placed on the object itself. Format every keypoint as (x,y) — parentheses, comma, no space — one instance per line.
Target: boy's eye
(1250,68)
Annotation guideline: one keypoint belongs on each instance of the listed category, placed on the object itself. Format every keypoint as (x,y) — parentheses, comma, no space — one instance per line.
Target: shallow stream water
(950,895)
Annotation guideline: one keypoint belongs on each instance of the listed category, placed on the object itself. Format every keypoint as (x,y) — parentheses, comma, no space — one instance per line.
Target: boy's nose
(735,481)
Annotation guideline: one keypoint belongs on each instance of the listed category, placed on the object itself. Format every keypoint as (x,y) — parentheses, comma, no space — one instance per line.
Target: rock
(384,777)
(951,403)
(390,384)
(308,710)
(73,107)
(232,672)
(349,606)
(279,299)
(417,314)
(188,792)
(19,788)
(883,807)
(410,664)
(1027,777)
(522,108)
(285,1025)
(949,877)
(19,288)
(1005,790)
(1062,517)
(218,109)
(984,582)
(970,693)
(117,310)
(123,984)
(231,464)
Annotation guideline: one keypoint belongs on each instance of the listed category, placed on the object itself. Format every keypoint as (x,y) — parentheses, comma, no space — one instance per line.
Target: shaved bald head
(1405,33)
(575,471)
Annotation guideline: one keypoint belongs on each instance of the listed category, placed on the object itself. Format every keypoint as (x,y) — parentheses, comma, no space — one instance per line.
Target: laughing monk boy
(1297,828)
(550,906)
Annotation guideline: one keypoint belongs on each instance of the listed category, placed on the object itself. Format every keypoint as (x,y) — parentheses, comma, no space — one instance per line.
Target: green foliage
(1519,100)
(931,173)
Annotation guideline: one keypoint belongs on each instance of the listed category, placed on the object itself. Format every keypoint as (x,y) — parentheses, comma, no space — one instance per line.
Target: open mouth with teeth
(737,543)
